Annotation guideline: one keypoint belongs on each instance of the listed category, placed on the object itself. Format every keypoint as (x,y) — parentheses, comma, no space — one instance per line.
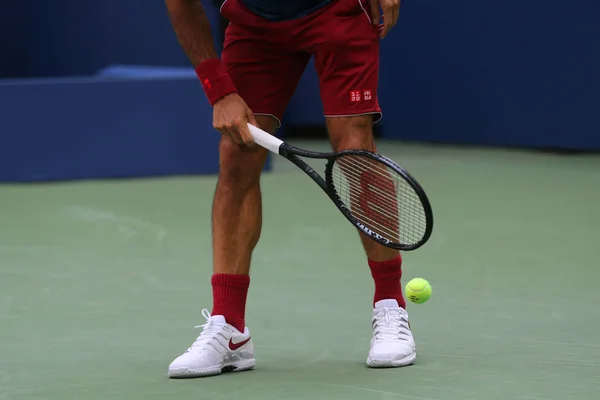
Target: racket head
(369,189)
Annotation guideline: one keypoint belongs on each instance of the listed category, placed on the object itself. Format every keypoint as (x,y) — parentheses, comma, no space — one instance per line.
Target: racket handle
(265,139)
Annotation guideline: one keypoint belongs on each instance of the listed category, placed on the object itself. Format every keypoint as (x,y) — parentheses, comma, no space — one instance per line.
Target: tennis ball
(418,290)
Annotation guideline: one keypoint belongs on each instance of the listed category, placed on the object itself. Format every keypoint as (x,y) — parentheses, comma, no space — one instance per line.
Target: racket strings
(378,227)
(380,210)
(377,224)
(384,219)
(379,198)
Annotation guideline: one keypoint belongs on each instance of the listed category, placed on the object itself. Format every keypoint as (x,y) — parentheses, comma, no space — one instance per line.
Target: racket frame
(293,154)
(331,191)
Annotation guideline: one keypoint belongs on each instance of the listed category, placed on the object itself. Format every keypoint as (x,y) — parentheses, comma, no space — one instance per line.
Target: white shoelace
(392,324)
(210,330)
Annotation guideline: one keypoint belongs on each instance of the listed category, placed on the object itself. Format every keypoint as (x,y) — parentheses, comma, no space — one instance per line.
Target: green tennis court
(101,284)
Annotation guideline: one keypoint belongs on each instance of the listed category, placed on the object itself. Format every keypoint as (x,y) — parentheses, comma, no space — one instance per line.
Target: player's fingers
(234,135)
(251,119)
(228,130)
(245,134)
(221,127)
(233,127)
(375,13)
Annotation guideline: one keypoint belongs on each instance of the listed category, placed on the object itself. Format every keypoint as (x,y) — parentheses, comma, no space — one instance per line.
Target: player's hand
(231,116)
(391,10)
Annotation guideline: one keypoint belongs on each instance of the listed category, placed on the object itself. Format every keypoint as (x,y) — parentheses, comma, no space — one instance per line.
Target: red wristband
(215,80)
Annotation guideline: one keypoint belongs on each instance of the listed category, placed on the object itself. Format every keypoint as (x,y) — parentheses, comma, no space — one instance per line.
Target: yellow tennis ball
(418,290)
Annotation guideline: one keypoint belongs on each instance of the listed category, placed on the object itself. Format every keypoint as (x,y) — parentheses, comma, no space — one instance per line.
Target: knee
(240,167)
(354,132)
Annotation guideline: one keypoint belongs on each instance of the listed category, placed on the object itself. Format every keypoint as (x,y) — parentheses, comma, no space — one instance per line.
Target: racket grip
(265,139)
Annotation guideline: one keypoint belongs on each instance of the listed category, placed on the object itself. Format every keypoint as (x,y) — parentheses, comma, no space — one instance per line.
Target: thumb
(375,12)
(245,131)
(251,119)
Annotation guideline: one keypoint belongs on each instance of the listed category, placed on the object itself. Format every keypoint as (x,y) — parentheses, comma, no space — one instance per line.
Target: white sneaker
(392,344)
(219,348)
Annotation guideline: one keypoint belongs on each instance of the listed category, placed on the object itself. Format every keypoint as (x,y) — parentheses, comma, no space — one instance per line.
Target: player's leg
(236,223)
(347,65)
(355,132)
(255,64)
(225,343)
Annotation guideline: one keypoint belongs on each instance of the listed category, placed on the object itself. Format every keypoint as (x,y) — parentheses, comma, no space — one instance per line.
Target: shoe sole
(386,363)
(182,373)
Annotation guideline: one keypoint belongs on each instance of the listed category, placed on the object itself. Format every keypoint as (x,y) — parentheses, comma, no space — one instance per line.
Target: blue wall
(105,127)
(41,38)
(13,46)
(516,73)
(120,122)
(79,37)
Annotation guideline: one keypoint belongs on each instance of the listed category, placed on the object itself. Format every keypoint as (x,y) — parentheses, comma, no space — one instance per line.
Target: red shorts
(266,59)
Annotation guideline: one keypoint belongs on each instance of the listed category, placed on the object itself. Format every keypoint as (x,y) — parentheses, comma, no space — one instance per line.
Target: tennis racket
(375,194)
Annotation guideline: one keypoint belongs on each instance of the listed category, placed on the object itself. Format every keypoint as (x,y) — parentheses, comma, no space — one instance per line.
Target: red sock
(387,275)
(229,298)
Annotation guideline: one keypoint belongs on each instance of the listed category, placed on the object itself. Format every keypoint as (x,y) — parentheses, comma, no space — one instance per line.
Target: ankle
(387,275)
(229,298)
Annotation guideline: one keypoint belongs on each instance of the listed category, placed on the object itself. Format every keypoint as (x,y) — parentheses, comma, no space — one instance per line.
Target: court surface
(101,284)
